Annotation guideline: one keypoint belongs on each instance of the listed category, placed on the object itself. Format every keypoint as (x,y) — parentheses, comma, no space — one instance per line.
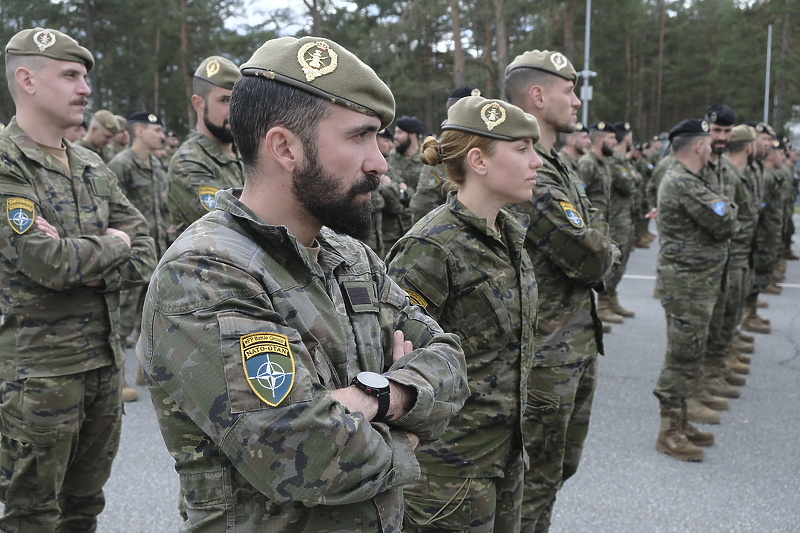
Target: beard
(320,193)
(402,148)
(223,134)
(608,152)
(719,148)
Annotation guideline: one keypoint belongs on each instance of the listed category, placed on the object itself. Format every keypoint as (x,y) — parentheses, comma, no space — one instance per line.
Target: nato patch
(718,207)
(20,213)
(268,365)
(572,215)
(207,199)
(416,298)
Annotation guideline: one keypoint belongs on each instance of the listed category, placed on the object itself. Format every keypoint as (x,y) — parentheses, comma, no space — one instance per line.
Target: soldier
(404,170)
(73,133)
(290,375)
(638,157)
(431,190)
(207,161)
(696,223)
(102,129)
(72,241)
(385,139)
(171,144)
(571,254)
(594,171)
(144,182)
(119,141)
(466,264)
(576,144)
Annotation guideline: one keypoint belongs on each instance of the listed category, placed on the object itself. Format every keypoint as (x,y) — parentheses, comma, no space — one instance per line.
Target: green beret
(743,132)
(218,71)
(325,69)
(552,62)
(49,43)
(122,121)
(108,120)
(495,119)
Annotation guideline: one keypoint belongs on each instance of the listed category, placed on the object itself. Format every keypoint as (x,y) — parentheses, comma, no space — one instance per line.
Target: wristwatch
(378,386)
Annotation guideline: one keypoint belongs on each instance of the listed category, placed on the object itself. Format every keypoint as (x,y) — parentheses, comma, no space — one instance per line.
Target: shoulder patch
(268,365)
(20,213)
(572,214)
(207,199)
(718,207)
(416,298)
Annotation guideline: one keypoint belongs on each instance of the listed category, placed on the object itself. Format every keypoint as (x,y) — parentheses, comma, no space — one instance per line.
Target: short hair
(452,150)
(519,80)
(682,141)
(201,87)
(259,104)
(14,61)
(734,147)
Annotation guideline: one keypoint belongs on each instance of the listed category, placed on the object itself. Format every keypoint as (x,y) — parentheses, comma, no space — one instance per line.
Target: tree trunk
(94,78)
(459,63)
(779,108)
(186,74)
(662,22)
(569,29)
(501,34)
(156,67)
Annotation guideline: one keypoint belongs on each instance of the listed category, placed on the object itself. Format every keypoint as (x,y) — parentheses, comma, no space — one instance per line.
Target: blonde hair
(451,149)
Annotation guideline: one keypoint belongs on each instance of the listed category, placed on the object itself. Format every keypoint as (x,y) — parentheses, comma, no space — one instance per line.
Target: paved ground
(749,481)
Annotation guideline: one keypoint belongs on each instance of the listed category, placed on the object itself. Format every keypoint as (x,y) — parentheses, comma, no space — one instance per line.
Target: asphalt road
(748,482)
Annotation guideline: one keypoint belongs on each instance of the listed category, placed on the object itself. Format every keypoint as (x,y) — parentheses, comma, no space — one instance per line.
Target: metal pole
(766,82)
(586,46)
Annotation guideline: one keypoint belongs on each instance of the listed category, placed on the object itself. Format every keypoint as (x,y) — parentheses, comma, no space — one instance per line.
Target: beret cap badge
(558,60)
(152,118)
(704,125)
(212,68)
(493,114)
(316,63)
(713,116)
(44,39)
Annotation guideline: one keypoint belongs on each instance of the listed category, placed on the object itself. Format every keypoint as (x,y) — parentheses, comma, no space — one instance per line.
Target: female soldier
(465,263)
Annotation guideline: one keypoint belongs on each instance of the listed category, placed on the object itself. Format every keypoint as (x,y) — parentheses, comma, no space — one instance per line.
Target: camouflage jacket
(742,242)
(196,172)
(244,335)
(571,253)
(100,153)
(568,162)
(111,150)
(51,322)
(655,181)
(405,169)
(769,230)
(480,286)
(695,223)
(624,198)
(595,173)
(146,188)
(430,192)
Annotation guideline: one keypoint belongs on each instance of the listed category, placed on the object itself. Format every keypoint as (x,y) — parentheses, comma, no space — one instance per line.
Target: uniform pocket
(479,317)
(437,515)
(539,419)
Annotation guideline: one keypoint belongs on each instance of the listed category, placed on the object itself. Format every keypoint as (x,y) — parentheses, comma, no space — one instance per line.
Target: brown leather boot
(700,413)
(604,311)
(673,441)
(617,308)
(697,437)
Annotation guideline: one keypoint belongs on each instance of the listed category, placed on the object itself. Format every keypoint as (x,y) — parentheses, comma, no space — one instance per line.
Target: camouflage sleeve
(581,250)
(710,210)
(308,448)
(391,196)
(623,180)
(191,189)
(70,261)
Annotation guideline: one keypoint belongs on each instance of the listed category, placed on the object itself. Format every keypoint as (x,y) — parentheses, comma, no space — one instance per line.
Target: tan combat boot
(697,437)
(129,394)
(745,337)
(716,385)
(673,441)
(140,377)
(698,412)
(772,288)
(752,322)
(701,394)
(733,361)
(761,304)
(741,347)
(617,308)
(604,311)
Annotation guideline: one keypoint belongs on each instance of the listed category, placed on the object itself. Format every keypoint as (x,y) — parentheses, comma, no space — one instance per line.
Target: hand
(357,401)
(413,439)
(47,228)
(401,346)
(385,179)
(653,213)
(121,234)
(403,186)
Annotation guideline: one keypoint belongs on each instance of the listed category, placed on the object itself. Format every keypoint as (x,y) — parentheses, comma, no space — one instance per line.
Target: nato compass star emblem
(207,198)
(268,365)
(572,215)
(20,213)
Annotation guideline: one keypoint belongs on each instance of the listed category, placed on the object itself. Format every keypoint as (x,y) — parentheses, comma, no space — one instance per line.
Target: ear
(476,160)
(536,96)
(198,104)
(284,147)
(25,80)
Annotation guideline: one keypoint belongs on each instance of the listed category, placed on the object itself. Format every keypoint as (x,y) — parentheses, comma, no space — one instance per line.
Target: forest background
(657,61)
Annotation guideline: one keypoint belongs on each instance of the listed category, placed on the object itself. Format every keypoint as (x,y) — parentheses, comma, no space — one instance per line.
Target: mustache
(81,101)
(368,184)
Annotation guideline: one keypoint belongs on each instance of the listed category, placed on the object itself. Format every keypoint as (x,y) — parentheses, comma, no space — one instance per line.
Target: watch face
(373,380)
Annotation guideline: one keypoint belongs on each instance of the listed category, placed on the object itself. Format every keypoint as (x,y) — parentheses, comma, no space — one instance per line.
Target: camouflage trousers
(622,233)
(688,319)
(475,505)
(555,425)
(728,311)
(59,436)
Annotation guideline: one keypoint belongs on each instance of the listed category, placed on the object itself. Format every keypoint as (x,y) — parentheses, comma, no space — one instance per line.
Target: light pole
(769,61)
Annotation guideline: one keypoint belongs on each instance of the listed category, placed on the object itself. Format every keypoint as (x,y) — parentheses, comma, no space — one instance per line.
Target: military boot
(673,441)
(789,254)
(604,311)
(701,394)
(716,386)
(745,337)
(729,376)
(617,308)
(698,412)
(697,437)
(129,394)
(734,363)
(772,288)
(761,304)
(140,377)
(606,328)
(752,322)
(741,347)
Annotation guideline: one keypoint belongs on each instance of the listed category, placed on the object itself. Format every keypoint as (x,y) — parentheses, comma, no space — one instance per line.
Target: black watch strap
(375,385)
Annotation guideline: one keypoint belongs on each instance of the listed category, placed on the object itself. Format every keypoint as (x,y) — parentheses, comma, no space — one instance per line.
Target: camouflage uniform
(111,150)
(233,293)
(430,193)
(769,232)
(571,254)
(595,173)
(397,214)
(568,162)
(696,223)
(655,181)
(60,413)
(480,286)
(196,172)
(101,152)
(621,209)
(146,187)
